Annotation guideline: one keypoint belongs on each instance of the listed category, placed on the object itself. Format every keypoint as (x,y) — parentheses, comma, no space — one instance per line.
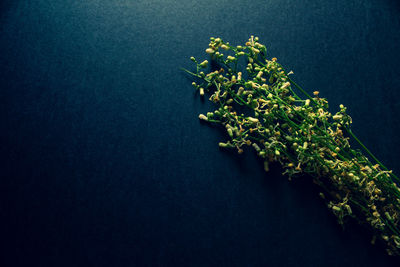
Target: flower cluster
(258,107)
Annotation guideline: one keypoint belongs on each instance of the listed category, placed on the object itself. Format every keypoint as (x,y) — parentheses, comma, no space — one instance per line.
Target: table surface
(104,162)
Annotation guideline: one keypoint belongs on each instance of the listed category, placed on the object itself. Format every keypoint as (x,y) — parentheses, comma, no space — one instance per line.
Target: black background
(104,162)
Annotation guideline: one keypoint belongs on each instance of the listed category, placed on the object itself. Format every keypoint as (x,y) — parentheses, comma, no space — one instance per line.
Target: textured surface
(104,162)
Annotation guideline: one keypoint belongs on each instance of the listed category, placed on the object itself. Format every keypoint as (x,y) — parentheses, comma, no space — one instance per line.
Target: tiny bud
(277,152)
(388,216)
(204,64)
(336,208)
(230,58)
(224,144)
(224,47)
(201,91)
(307,103)
(210,51)
(337,149)
(285,85)
(337,117)
(251,119)
(305,145)
(230,133)
(192,59)
(316,93)
(256,147)
(203,117)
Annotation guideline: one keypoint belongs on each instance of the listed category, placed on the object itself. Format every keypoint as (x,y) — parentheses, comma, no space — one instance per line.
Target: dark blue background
(104,162)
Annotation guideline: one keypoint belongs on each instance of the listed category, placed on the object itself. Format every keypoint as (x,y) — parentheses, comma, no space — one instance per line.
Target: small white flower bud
(336,208)
(230,133)
(305,145)
(203,117)
(230,58)
(204,64)
(307,103)
(337,117)
(251,119)
(285,85)
(256,147)
(201,91)
(210,51)
(223,144)
(224,47)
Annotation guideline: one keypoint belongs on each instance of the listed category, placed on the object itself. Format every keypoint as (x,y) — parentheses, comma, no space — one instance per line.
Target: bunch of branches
(257,104)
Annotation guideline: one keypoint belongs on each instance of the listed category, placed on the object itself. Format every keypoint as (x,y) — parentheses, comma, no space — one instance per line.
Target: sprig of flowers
(257,105)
